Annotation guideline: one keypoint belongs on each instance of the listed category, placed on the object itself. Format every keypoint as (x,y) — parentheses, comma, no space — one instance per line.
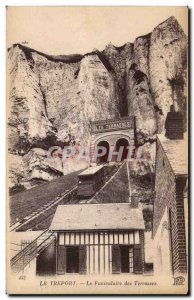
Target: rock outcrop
(168,69)
(53,99)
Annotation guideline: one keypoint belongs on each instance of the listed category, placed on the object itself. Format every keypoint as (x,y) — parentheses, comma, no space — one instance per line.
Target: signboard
(111,125)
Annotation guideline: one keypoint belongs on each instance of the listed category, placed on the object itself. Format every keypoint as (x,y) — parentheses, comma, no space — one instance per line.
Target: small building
(99,239)
(170,206)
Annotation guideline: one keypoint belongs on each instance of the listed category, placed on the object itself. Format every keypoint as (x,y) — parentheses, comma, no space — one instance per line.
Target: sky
(68,30)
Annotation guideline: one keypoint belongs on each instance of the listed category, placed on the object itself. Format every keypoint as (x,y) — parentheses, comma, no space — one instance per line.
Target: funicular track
(23,258)
(46,211)
(114,169)
(41,213)
(110,173)
(109,178)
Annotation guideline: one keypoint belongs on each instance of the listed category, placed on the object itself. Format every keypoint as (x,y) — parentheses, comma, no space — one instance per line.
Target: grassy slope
(143,187)
(24,203)
(117,189)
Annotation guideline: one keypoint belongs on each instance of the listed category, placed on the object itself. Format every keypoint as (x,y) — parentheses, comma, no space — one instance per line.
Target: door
(138,261)
(61,259)
(116,259)
(72,259)
(124,259)
(46,261)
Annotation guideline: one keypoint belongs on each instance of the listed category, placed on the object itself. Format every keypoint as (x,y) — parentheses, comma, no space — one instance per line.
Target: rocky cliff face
(151,74)
(54,98)
(168,69)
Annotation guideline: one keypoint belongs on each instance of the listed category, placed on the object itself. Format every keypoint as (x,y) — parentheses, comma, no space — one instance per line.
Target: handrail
(25,258)
(28,246)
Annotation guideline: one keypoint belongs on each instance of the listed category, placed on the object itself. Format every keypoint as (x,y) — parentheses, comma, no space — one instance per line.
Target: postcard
(97,150)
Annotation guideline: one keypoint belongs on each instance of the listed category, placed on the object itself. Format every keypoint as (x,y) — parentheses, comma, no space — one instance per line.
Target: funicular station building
(99,239)
(112,134)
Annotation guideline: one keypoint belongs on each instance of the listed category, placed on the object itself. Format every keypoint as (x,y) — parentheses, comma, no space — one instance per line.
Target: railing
(23,258)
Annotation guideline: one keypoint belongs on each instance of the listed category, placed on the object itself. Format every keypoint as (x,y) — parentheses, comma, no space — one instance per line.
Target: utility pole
(129,186)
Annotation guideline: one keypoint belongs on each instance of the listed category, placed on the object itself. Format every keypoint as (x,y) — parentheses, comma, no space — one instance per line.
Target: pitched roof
(177,154)
(91,170)
(97,217)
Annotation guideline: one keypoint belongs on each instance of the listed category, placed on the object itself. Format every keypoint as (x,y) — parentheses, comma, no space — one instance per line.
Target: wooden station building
(99,239)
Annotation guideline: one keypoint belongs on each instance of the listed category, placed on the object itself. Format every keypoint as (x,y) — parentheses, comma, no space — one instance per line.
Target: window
(131,260)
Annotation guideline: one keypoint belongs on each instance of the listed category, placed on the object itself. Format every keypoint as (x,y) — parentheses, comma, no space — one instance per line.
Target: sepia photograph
(97,150)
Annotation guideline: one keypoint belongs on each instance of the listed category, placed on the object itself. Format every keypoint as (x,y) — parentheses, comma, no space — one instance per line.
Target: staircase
(26,255)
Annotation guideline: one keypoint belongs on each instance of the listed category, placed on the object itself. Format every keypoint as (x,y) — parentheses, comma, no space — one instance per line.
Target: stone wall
(161,248)
(169,195)
(164,186)
(180,258)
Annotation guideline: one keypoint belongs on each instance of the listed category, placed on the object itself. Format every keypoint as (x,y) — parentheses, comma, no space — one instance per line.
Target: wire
(16,244)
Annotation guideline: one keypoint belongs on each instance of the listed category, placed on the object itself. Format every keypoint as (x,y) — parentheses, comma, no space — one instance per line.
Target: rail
(120,165)
(45,208)
(25,256)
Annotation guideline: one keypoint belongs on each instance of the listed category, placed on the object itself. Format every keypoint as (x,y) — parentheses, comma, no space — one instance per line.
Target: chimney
(134,201)
(174,125)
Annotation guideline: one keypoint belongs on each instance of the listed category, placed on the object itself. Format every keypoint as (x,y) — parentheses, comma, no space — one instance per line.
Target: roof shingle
(97,217)
(177,154)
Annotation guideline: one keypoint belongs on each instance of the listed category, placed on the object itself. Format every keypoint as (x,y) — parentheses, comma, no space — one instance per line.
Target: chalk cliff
(53,99)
